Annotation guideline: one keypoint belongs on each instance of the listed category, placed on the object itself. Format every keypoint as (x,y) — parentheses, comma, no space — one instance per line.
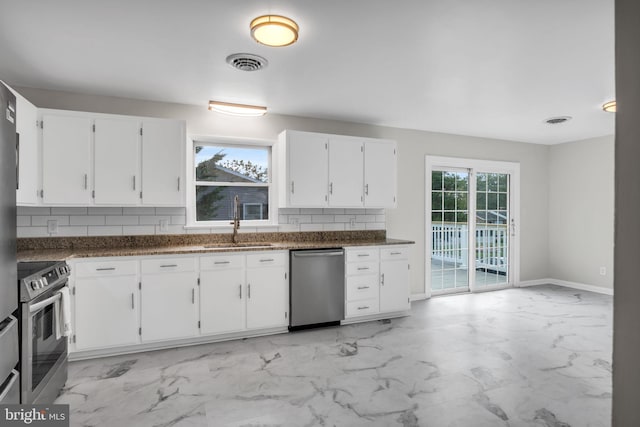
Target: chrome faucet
(236,218)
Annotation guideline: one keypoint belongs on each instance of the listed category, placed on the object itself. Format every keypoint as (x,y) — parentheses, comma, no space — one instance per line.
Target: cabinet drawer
(106,268)
(219,262)
(362,254)
(265,259)
(362,308)
(168,265)
(394,252)
(354,268)
(362,287)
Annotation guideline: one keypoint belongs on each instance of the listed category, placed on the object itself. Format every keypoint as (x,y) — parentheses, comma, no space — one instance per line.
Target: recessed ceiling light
(557,120)
(610,107)
(274,30)
(237,109)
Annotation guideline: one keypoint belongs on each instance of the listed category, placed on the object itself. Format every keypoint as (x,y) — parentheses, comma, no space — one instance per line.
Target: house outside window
(223,171)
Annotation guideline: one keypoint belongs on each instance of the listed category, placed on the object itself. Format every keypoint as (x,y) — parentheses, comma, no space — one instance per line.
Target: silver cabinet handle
(134,183)
(331,188)
(249,290)
(366,307)
(193,295)
(292,187)
(362,255)
(362,268)
(105,269)
(168,265)
(366,189)
(178,183)
(267,260)
(363,287)
(133,307)
(396,253)
(220,262)
(382,279)
(86,180)
(240,289)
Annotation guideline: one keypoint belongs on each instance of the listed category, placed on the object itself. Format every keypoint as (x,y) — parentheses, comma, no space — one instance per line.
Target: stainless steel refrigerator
(8,266)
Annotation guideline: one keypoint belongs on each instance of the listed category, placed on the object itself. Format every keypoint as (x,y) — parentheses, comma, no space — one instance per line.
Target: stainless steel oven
(43,345)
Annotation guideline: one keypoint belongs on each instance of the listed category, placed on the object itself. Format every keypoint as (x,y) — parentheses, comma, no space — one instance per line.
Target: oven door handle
(39,305)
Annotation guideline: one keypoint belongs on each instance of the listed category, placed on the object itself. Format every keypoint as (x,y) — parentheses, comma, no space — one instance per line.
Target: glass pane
(436,180)
(461,217)
(449,181)
(481,182)
(492,182)
(502,201)
(436,200)
(449,216)
(231,164)
(461,201)
(502,182)
(436,217)
(215,203)
(462,181)
(481,201)
(449,201)
(492,201)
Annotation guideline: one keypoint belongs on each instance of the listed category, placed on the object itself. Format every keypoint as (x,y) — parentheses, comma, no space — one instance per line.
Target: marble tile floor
(538,356)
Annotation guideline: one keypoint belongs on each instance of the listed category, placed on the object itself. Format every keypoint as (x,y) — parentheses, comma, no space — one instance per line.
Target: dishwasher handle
(306,254)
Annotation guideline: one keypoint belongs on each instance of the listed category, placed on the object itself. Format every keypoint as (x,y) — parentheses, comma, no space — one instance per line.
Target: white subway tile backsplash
(33,210)
(23,221)
(153,219)
(38,221)
(288,228)
(171,229)
(170,211)
(322,219)
(310,211)
(71,231)
(333,211)
(32,232)
(311,227)
(178,220)
(105,211)
(354,211)
(69,211)
(198,230)
(110,230)
(289,211)
(122,220)
(283,219)
(381,218)
(374,226)
(375,211)
(87,220)
(365,218)
(344,218)
(139,211)
(333,227)
(138,229)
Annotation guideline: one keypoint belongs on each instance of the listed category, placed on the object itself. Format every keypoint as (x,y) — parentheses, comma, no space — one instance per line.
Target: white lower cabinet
(169,299)
(222,294)
(376,280)
(107,305)
(267,290)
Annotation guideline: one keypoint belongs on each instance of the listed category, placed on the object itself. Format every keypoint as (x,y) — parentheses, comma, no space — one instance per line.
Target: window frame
(191,210)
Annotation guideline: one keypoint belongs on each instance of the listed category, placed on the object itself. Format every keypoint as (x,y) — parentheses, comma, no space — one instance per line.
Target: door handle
(193,296)
(240,289)
(134,183)
(249,291)
(86,179)
(133,301)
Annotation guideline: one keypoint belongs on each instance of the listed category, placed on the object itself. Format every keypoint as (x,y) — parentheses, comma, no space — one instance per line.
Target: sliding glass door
(470,204)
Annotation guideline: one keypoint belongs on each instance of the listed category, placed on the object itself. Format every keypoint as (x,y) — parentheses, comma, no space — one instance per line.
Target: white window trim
(491,166)
(222,226)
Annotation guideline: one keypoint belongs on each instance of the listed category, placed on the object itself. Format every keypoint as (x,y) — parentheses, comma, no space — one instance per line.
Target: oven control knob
(33,284)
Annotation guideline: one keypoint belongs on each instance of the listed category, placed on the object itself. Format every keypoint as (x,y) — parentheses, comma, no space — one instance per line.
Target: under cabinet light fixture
(274,30)
(237,109)
(609,107)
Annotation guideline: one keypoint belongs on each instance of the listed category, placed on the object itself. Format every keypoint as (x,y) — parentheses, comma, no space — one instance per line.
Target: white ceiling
(489,68)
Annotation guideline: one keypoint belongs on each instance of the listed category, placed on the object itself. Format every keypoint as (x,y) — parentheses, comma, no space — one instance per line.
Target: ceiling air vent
(557,120)
(247,62)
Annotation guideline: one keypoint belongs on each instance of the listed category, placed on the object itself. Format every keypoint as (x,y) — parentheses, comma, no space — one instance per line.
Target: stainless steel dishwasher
(317,287)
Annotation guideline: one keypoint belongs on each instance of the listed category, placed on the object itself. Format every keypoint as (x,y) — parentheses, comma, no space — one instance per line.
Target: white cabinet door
(106,312)
(267,297)
(169,306)
(28,173)
(346,172)
(394,285)
(308,169)
(163,144)
(66,159)
(380,174)
(222,301)
(117,161)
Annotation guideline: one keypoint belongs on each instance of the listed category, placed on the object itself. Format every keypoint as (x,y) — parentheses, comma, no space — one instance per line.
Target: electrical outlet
(294,220)
(164,225)
(352,222)
(603,271)
(52,226)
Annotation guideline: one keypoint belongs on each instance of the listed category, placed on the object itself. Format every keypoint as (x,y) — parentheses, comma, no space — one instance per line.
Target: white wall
(405,222)
(581,197)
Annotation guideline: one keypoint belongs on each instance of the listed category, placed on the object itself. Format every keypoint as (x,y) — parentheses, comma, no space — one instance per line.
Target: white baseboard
(418,297)
(566,284)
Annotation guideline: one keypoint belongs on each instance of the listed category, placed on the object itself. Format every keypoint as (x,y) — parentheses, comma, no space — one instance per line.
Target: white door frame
(474,166)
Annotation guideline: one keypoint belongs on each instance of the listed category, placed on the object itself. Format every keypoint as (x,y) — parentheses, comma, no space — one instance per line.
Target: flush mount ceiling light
(274,30)
(237,109)
(609,107)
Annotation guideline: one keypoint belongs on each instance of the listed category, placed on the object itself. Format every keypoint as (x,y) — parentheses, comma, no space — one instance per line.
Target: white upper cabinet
(346,171)
(380,174)
(320,170)
(117,161)
(66,159)
(27,150)
(305,175)
(162,162)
